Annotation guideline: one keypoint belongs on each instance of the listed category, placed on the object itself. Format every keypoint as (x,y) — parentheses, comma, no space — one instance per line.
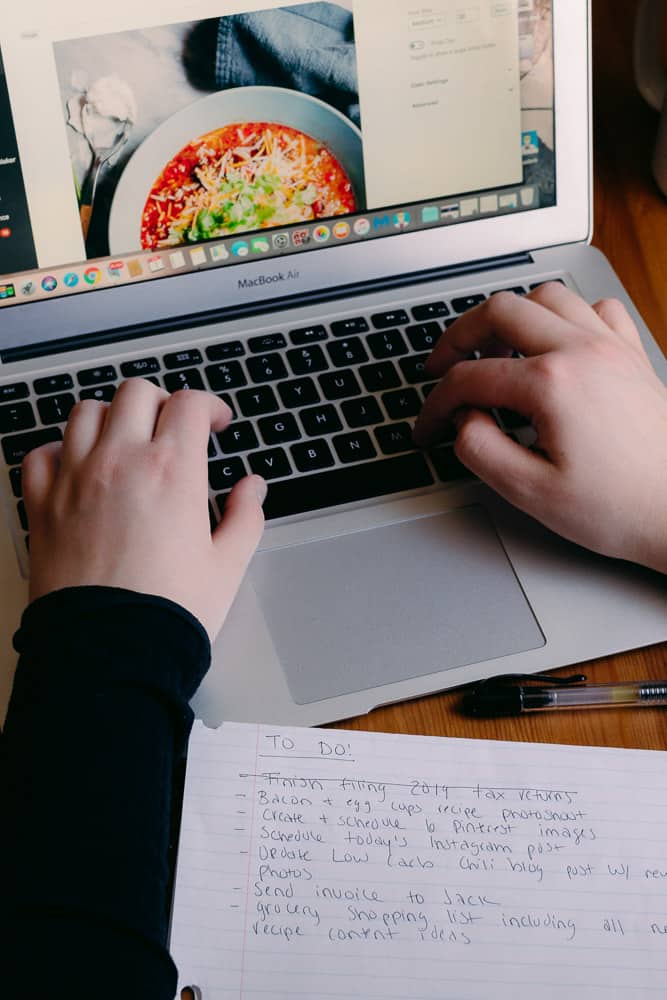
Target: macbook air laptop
(288,206)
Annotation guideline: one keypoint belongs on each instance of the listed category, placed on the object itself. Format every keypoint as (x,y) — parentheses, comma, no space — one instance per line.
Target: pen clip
(502,679)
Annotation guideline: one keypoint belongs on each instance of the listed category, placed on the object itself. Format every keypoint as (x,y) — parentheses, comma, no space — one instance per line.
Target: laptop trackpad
(384,605)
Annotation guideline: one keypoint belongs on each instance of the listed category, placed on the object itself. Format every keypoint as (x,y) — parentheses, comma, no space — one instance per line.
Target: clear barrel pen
(491,699)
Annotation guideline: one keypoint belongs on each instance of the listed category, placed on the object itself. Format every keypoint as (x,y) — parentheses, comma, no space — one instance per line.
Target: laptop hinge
(189,321)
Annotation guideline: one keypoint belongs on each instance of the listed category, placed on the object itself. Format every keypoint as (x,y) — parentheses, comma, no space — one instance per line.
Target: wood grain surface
(631,229)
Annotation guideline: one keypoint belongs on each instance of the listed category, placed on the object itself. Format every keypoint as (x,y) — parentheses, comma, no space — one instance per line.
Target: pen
(496,697)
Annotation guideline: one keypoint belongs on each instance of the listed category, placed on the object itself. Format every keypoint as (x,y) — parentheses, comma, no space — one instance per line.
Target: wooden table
(631,229)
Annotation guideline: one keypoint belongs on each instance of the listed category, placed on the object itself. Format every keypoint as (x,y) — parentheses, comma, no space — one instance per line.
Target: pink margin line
(247,891)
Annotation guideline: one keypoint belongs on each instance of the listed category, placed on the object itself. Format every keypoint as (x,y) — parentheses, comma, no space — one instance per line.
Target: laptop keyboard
(323,412)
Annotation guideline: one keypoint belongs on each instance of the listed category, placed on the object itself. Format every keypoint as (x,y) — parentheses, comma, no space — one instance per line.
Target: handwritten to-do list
(330,864)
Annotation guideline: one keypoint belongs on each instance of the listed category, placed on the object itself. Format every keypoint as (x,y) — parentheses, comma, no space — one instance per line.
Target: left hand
(123,502)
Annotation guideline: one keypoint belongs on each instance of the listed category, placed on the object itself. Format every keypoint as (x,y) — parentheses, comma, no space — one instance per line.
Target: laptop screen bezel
(347,265)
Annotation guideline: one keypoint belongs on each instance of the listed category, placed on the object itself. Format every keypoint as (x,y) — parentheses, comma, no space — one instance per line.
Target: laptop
(288,206)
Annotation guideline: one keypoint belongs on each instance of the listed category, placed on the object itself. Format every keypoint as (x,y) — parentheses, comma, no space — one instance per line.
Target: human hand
(123,502)
(598,471)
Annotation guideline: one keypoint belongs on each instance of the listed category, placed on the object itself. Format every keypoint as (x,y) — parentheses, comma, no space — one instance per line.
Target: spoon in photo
(106,117)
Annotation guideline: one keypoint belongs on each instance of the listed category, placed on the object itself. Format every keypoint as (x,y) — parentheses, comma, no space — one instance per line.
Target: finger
(38,474)
(83,430)
(133,414)
(238,534)
(187,419)
(517,474)
(483,384)
(615,315)
(568,305)
(518,323)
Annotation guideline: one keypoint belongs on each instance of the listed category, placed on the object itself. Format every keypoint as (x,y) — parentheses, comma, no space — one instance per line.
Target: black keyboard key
(226,398)
(94,376)
(12,391)
(354,447)
(413,368)
(16,417)
(305,360)
(255,402)
(308,335)
(183,359)
(428,389)
(350,327)
(212,519)
(23,517)
(320,420)
(394,438)
(397,317)
(517,289)
(229,375)
(429,310)
(268,368)
(15,478)
(379,377)
(362,412)
(268,342)
(312,456)
(221,501)
(140,367)
(424,336)
(280,429)
(513,421)
(212,452)
(190,378)
(386,345)
(55,409)
(450,322)
(402,403)
(103,393)
(223,352)
(347,352)
(222,475)
(272,464)
(538,284)
(448,467)
(17,446)
(238,437)
(338,385)
(350,485)
(467,302)
(298,392)
(53,383)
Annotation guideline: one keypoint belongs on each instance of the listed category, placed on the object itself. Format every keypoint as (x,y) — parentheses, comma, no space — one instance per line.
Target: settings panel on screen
(440,97)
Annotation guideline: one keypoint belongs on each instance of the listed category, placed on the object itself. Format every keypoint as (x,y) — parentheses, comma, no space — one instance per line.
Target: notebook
(331,864)
(288,205)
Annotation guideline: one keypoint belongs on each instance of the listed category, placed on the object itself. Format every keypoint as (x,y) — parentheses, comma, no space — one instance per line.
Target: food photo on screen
(207,129)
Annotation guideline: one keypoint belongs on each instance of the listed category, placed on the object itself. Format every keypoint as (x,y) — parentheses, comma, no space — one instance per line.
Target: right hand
(123,502)
(598,472)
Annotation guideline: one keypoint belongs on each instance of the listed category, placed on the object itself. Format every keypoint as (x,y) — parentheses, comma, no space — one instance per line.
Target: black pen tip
(489,701)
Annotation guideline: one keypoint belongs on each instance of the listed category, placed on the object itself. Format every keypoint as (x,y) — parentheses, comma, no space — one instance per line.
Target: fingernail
(261,489)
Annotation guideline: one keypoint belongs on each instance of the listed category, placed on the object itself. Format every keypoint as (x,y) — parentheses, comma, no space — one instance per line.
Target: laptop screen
(143,141)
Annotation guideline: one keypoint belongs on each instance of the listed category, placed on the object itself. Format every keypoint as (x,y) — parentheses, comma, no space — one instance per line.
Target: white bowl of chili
(237,161)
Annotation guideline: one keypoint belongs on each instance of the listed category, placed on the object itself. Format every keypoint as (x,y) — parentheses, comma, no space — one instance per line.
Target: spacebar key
(339,486)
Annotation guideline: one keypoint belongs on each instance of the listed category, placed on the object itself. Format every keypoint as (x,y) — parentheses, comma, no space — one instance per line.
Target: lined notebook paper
(328,865)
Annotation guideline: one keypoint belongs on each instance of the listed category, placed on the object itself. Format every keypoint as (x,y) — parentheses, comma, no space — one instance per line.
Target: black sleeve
(97,722)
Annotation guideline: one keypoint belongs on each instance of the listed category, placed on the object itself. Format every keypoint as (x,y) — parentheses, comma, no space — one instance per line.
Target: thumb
(517,474)
(238,534)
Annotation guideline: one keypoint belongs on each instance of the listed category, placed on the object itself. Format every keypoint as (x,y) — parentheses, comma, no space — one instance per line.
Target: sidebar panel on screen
(17,249)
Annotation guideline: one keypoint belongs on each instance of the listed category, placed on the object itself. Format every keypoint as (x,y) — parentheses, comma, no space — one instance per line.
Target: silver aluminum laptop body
(375,602)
